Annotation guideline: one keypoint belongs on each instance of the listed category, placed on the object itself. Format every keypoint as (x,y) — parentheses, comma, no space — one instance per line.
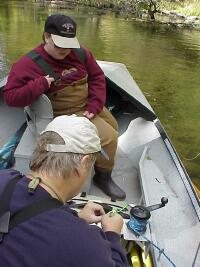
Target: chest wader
(45,66)
(8,221)
(72,99)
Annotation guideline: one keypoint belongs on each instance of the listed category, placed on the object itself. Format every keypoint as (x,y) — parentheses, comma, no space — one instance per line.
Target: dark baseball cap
(63,31)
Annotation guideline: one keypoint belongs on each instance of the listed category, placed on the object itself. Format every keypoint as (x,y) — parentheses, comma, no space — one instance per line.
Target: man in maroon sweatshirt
(70,76)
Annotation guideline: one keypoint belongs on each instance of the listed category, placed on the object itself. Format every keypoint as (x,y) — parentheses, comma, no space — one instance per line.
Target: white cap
(79,134)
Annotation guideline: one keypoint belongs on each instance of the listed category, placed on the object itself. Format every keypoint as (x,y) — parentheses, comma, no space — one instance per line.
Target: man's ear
(84,164)
(85,161)
(46,36)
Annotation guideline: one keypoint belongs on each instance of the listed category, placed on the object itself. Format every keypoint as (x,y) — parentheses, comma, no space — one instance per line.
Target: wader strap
(4,205)
(43,64)
(81,54)
(7,194)
(9,221)
(33,209)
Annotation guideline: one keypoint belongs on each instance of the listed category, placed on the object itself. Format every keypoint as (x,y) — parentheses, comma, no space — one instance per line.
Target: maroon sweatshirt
(26,81)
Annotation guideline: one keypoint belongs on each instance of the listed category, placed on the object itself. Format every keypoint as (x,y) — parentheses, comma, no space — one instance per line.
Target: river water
(163,60)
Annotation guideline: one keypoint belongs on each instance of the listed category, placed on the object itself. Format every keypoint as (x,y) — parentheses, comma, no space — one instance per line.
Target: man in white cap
(70,76)
(37,226)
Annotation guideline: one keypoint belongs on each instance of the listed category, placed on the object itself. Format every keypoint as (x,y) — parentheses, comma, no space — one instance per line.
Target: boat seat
(38,115)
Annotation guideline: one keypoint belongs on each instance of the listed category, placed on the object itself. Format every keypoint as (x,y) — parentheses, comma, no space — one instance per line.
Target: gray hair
(55,164)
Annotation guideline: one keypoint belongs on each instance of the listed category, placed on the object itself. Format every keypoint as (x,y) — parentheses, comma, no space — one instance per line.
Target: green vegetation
(180,13)
(186,7)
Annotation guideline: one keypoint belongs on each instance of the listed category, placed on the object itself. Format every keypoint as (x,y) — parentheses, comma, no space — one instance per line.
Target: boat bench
(38,115)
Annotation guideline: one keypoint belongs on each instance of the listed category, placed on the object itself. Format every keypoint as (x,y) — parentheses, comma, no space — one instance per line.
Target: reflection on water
(164,62)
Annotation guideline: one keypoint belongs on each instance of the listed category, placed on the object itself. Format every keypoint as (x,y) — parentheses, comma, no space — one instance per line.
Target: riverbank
(179,14)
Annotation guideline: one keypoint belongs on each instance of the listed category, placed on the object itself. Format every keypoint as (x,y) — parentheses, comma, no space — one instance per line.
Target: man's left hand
(88,115)
(91,213)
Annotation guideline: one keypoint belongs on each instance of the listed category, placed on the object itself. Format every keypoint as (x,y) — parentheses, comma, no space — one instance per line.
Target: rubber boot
(104,181)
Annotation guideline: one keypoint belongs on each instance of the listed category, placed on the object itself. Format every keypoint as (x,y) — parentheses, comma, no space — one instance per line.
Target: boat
(147,167)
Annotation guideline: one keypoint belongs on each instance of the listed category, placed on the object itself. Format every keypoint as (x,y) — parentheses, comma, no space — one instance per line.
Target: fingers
(97,209)
(114,223)
(85,113)
(96,219)
(92,212)
(88,115)
(49,79)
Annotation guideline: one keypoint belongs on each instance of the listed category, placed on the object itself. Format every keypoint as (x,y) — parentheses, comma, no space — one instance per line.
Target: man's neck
(50,186)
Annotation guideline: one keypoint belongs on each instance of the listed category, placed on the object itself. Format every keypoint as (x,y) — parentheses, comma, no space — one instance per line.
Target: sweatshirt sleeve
(96,84)
(25,83)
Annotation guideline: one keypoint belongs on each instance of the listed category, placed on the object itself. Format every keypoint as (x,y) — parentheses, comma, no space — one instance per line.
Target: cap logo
(68,27)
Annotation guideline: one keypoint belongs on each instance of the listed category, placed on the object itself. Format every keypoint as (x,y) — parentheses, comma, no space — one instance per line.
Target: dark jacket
(56,238)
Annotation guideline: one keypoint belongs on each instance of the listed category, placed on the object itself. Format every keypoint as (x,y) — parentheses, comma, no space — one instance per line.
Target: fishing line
(196,255)
(139,228)
(161,251)
(195,157)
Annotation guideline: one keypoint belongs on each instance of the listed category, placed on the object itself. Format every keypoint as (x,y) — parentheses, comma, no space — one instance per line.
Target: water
(164,62)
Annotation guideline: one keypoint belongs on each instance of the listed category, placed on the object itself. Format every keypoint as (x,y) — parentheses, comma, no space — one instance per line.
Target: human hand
(112,223)
(91,213)
(49,79)
(88,115)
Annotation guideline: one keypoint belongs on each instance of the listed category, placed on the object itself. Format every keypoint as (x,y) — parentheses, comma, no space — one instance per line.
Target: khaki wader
(72,100)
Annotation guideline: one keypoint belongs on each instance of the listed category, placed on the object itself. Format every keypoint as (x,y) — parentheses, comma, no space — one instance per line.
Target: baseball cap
(63,31)
(79,134)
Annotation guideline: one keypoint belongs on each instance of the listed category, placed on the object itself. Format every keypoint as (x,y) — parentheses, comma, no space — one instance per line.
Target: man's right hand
(49,79)
(112,223)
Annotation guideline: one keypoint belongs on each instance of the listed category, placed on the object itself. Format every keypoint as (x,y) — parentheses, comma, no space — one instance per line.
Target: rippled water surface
(164,62)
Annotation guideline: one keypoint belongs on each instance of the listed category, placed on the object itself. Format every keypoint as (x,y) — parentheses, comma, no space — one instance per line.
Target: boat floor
(126,176)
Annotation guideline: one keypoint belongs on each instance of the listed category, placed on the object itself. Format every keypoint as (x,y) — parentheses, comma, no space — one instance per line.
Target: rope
(161,251)
(139,227)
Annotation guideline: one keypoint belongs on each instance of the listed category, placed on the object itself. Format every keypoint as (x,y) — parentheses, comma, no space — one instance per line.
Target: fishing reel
(139,216)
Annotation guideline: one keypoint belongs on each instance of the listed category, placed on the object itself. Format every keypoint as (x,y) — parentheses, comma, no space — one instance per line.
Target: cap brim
(65,42)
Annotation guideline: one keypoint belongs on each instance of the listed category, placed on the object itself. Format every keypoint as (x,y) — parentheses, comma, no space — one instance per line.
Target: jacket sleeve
(105,249)
(118,254)
(96,84)
(25,83)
